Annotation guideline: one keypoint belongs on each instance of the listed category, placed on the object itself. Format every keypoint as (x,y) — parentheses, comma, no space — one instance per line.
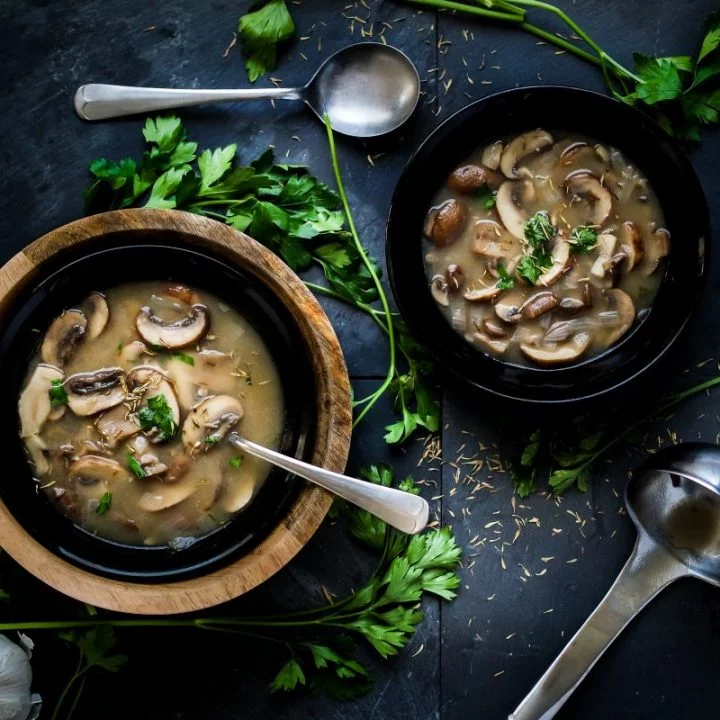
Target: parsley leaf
(486,196)
(506,281)
(136,468)
(104,505)
(583,239)
(290,675)
(539,231)
(236,462)
(58,394)
(531,267)
(260,33)
(157,416)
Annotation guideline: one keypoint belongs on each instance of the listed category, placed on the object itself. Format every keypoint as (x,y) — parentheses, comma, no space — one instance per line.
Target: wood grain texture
(332,431)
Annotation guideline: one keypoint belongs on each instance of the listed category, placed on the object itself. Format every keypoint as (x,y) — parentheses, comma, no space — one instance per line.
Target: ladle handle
(99,102)
(407,512)
(649,569)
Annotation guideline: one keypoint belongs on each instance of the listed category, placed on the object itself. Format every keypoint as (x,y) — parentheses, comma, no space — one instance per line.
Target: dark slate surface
(508,622)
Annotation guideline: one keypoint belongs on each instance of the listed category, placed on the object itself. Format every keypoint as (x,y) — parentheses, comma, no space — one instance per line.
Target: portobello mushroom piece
(172,335)
(492,240)
(98,314)
(34,406)
(92,392)
(632,245)
(657,247)
(469,178)
(619,301)
(539,304)
(445,223)
(559,354)
(116,425)
(584,185)
(560,256)
(62,338)
(526,144)
(210,421)
(512,216)
(38,451)
(491,155)
(482,294)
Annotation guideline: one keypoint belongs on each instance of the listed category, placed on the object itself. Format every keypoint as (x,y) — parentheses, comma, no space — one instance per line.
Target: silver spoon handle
(99,102)
(646,573)
(404,511)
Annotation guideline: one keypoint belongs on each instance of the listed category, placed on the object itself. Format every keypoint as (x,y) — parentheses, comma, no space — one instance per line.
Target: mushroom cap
(34,406)
(539,304)
(560,257)
(99,314)
(511,215)
(93,475)
(62,337)
(584,184)
(116,425)
(631,243)
(522,146)
(445,223)
(92,392)
(482,294)
(623,304)
(215,416)
(172,335)
(469,178)
(492,240)
(491,155)
(567,352)
(508,312)
(657,246)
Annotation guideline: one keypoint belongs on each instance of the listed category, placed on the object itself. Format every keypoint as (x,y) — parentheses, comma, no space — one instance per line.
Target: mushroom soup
(543,249)
(127,404)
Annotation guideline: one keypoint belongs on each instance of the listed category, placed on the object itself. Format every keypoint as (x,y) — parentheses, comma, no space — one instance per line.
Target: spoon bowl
(674,501)
(367,90)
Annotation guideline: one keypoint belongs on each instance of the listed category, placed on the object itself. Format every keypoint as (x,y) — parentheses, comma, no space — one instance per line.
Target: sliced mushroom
(98,314)
(522,146)
(62,337)
(512,216)
(150,382)
(469,178)
(495,346)
(116,425)
(632,244)
(508,312)
(571,151)
(445,223)
(38,451)
(201,482)
(181,333)
(619,301)
(606,243)
(558,354)
(493,329)
(656,248)
(238,493)
(132,351)
(482,294)
(454,277)
(211,369)
(582,184)
(571,305)
(151,465)
(492,240)
(491,155)
(34,406)
(539,304)
(439,290)
(93,475)
(560,256)
(209,422)
(92,392)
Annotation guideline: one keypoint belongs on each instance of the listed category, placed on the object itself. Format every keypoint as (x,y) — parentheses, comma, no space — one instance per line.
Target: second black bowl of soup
(547,244)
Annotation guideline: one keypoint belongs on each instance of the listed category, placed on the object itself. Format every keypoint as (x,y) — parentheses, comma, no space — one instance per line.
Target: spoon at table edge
(366,89)
(404,511)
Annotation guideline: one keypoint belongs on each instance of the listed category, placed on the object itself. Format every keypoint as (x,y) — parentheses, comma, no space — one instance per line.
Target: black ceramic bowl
(560,109)
(135,246)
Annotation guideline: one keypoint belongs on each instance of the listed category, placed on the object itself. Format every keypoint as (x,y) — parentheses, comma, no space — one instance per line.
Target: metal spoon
(403,510)
(674,501)
(367,90)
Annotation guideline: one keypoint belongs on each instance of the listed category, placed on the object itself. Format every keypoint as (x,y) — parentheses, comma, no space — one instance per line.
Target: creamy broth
(544,249)
(138,454)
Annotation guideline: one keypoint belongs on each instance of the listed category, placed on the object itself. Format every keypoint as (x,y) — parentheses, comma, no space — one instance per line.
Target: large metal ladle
(674,501)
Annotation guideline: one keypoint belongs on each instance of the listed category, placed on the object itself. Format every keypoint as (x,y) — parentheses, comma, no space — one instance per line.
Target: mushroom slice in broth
(35,405)
(92,392)
(176,334)
(63,336)
(210,421)
(98,314)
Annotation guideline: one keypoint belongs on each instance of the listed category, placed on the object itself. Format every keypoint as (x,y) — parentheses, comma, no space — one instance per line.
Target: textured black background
(477,656)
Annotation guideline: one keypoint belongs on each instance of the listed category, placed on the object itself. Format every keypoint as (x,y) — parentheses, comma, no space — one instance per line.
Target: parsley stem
(211,214)
(78,673)
(492,14)
(376,281)
(337,296)
(78,694)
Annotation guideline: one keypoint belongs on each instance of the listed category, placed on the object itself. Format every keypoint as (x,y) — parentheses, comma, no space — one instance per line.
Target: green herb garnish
(260,32)
(212,439)
(486,196)
(104,504)
(187,359)
(236,462)
(135,466)
(57,393)
(539,231)
(506,281)
(157,416)
(583,239)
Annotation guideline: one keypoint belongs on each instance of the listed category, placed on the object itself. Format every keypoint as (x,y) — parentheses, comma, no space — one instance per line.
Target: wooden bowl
(29,274)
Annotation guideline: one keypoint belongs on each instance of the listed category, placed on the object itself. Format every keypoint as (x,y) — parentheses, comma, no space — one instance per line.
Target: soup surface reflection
(544,249)
(127,404)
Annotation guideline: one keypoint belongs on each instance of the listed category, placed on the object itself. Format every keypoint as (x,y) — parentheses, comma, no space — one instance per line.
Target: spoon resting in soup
(126,406)
(544,249)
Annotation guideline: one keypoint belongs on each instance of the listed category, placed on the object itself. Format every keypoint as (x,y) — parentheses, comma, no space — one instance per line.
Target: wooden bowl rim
(332,431)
